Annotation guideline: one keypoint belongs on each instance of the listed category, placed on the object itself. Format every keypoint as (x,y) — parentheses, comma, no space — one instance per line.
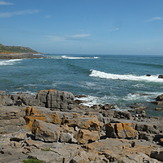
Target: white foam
(134,97)
(67,57)
(89,100)
(100,74)
(9,62)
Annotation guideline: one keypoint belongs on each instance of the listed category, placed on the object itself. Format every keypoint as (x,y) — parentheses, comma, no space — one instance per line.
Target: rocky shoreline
(53,127)
(20,56)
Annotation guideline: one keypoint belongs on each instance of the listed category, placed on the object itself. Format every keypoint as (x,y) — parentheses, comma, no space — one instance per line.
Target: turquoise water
(117,79)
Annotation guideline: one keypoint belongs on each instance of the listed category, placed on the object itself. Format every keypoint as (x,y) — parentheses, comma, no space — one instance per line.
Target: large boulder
(86,136)
(56,100)
(121,130)
(84,122)
(46,132)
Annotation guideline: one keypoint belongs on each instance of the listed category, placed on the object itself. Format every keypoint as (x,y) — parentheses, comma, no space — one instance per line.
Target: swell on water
(104,75)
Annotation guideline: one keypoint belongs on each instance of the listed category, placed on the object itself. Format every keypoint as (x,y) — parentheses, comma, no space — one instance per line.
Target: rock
(46,132)
(109,155)
(159,98)
(85,136)
(11,119)
(158,109)
(108,107)
(66,137)
(84,122)
(146,136)
(160,76)
(18,136)
(5,99)
(157,154)
(121,130)
(161,141)
(122,115)
(146,127)
(26,99)
(148,75)
(32,114)
(56,100)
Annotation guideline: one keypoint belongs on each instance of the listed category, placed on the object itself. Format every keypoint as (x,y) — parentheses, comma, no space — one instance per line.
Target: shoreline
(20,55)
(52,126)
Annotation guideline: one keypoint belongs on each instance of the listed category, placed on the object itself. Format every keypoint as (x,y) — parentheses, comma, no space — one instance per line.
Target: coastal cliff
(53,126)
(17,52)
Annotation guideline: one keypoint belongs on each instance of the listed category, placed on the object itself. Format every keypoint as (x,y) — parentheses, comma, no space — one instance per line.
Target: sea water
(115,79)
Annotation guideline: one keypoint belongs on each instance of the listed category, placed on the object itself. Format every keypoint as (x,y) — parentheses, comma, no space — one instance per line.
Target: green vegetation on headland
(17,52)
(16,49)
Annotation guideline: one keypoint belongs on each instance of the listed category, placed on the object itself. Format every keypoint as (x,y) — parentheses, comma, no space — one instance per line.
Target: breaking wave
(9,62)
(104,75)
(67,57)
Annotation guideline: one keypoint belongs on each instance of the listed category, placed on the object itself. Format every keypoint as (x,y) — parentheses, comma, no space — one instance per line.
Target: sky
(83,26)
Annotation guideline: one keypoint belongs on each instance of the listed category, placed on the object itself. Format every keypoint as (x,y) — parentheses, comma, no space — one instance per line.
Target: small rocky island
(54,127)
(17,52)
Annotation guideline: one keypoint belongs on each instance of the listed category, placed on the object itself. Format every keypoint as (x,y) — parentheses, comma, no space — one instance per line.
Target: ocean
(115,79)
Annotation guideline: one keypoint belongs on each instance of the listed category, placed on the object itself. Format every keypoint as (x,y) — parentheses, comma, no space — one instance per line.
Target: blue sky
(84,26)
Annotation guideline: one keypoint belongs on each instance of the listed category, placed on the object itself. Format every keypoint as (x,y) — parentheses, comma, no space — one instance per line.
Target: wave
(104,75)
(67,57)
(9,62)
(146,64)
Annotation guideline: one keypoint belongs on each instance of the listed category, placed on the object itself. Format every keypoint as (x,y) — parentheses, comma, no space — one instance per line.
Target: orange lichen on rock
(55,118)
(85,136)
(33,114)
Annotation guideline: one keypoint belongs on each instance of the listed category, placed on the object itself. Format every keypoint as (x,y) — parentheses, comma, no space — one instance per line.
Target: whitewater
(117,79)
(152,78)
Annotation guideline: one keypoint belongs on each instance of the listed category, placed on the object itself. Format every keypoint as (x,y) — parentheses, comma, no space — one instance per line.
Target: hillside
(16,49)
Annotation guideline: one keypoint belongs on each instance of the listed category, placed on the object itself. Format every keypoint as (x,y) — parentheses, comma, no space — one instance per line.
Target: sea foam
(67,57)
(9,62)
(104,75)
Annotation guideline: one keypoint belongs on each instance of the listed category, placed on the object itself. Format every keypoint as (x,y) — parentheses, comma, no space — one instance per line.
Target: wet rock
(46,132)
(160,76)
(148,75)
(159,98)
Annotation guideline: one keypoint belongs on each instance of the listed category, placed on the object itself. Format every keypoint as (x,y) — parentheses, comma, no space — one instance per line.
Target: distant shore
(19,55)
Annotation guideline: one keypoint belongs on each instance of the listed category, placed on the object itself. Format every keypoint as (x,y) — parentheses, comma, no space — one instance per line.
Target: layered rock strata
(52,127)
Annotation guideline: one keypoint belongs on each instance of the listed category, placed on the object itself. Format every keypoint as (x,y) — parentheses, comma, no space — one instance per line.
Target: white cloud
(155,19)
(5,3)
(70,37)
(17,13)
